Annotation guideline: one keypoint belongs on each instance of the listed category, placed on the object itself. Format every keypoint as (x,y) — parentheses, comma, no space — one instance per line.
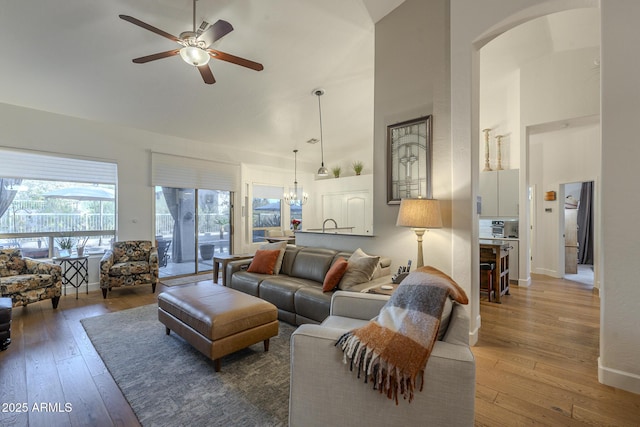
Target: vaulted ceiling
(73,57)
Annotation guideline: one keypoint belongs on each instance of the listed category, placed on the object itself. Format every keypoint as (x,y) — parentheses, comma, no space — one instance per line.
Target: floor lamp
(419,214)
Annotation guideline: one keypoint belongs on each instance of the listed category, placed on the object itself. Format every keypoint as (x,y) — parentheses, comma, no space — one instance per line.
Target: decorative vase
(80,250)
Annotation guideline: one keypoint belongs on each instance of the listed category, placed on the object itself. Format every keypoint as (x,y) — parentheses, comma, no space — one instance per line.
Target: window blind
(27,164)
(261,191)
(188,172)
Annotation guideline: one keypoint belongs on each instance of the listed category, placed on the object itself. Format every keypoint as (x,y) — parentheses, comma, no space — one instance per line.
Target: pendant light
(323,171)
(295,196)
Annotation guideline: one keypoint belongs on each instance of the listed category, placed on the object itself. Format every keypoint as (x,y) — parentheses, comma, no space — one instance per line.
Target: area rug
(187,279)
(169,383)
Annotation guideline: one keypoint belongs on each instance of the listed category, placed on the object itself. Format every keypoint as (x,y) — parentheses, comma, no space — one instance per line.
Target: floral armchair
(128,263)
(25,280)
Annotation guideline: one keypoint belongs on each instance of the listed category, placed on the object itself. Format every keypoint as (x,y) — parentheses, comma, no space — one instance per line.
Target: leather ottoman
(217,320)
(5,323)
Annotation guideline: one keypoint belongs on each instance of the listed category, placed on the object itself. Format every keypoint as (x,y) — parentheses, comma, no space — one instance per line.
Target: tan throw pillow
(281,246)
(264,261)
(334,275)
(360,269)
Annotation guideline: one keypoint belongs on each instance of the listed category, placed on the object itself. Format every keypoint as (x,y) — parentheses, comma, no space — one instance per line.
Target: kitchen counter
(494,242)
(499,238)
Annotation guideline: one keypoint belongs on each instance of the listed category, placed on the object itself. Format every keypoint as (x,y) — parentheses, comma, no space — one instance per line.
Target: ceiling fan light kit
(194,56)
(196,46)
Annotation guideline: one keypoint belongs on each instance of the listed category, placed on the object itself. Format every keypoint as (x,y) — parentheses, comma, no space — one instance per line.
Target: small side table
(225,259)
(75,272)
(378,289)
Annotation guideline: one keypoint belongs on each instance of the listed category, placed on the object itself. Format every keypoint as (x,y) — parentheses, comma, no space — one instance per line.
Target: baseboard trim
(524,282)
(618,379)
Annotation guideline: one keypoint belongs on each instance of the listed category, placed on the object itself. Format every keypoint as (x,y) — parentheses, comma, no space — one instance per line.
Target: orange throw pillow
(264,261)
(334,275)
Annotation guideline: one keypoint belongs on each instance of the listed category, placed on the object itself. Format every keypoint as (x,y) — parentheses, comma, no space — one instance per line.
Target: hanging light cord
(295,170)
(318,93)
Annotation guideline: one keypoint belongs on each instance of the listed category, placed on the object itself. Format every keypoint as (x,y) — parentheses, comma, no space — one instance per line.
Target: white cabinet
(352,209)
(347,200)
(500,193)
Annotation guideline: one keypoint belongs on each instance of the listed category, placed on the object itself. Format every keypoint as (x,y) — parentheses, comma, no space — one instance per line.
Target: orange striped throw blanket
(393,349)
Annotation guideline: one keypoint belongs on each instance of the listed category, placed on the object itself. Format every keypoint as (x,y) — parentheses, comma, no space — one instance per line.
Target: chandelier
(295,196)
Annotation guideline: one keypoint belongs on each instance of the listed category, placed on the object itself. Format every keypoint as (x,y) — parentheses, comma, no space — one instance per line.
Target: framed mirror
(409,160)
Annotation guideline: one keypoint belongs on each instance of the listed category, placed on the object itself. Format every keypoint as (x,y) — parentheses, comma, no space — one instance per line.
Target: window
(44,217)
(50,202)
(192,225)
(266,211)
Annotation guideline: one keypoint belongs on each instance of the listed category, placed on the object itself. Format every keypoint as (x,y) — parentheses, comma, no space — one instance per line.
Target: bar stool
(5,323)
(486,278)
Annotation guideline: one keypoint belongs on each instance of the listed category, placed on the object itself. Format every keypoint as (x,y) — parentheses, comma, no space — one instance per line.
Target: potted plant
(65,243)
(336,171)
(357,167)
(295,223)
(206,251)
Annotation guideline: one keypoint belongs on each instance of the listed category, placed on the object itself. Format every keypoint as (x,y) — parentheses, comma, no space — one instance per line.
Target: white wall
(412,80)
(473,24)
(500,112)
(560,86)
(130,148)
(557,157)
(620,294)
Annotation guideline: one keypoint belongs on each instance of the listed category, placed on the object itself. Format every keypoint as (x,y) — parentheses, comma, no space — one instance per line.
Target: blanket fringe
(386,378)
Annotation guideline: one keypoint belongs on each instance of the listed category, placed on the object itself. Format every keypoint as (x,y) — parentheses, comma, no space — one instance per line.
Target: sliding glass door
(192,225)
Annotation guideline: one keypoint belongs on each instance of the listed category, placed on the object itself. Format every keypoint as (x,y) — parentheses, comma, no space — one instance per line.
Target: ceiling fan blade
(151,28)
(206,74)
(215,32)
(235,60)
(155,56)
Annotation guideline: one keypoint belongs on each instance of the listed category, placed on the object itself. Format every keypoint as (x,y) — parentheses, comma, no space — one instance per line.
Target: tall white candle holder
(487,166)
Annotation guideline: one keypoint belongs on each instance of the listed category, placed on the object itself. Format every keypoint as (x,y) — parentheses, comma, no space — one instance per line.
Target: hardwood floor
(536,362)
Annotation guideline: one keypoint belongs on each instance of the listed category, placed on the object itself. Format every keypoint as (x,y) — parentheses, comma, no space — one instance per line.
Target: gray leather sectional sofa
(297,289)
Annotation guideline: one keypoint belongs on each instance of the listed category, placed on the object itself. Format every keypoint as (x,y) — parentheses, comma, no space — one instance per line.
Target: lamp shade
(419,213)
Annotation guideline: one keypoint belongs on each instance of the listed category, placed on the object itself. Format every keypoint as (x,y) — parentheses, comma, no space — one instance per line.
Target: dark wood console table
(496,251)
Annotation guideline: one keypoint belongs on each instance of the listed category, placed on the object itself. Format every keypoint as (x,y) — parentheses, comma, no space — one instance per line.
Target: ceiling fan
(196,46)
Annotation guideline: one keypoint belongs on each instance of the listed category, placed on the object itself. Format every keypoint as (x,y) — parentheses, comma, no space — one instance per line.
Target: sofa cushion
(312,264)
(280,246)
(264,261)
(127,268)
(132,250)
(280,291)
(11,262)
(24,282)
(312,303)
(360,269)
(289,258)
(334,275)
(247,282)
